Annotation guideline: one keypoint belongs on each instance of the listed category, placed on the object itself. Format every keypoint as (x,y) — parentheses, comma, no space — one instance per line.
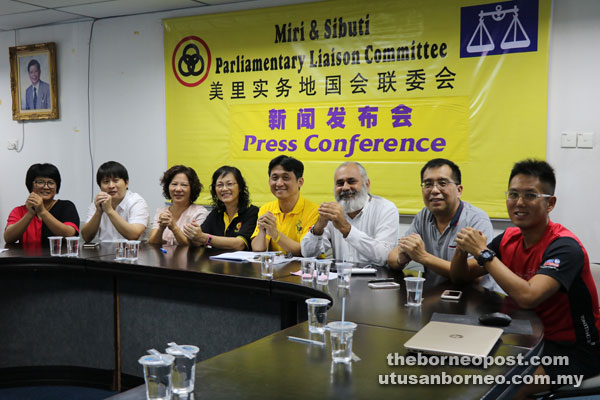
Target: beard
(352,200)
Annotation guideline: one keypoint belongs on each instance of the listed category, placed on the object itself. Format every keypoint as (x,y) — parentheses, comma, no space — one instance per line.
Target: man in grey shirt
(431,238)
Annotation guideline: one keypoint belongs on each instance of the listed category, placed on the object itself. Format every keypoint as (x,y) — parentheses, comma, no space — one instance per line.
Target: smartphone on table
(451,295)
(384,285)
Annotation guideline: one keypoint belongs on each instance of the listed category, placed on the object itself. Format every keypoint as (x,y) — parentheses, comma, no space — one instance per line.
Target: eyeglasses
(441,184)
(41,183)
(227,185)
(527,197)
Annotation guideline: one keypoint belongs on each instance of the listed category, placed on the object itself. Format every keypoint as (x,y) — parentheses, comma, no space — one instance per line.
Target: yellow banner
(391,84)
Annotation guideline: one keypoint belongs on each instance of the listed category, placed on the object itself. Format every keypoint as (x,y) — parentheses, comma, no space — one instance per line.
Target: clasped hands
(331,211)
(471,240)
(413,247)
(194,233)
(35,203)
(103,202)
(165,220)
(268,224)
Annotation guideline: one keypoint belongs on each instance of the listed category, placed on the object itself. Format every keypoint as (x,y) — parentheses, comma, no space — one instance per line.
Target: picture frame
(33,82)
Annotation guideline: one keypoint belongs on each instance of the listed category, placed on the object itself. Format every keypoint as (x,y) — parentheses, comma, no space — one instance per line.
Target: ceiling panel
(219,2)
(128,7)
(34,18)
(17,14)
(62,3)
(12,7)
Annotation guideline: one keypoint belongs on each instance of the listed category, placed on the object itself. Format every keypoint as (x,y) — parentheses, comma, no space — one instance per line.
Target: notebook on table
(454,339)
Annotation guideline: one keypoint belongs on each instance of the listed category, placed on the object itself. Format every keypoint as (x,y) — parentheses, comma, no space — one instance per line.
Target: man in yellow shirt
(282,223)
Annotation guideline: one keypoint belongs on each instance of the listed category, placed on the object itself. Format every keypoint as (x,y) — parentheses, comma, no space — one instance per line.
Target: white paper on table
(250,256)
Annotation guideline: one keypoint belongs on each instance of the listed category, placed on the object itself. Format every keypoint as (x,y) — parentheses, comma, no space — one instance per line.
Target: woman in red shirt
(42,215)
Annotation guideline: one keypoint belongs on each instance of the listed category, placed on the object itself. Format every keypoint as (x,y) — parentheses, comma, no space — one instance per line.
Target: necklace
(51,205)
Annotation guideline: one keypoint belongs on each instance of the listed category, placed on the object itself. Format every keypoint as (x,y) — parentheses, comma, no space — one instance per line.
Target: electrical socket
(568,139)
(13,144)
(585,140)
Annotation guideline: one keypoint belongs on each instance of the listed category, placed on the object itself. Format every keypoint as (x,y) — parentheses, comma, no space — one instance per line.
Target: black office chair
(589,387)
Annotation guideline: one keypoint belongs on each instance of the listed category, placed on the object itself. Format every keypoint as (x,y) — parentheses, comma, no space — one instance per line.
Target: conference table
(87,320)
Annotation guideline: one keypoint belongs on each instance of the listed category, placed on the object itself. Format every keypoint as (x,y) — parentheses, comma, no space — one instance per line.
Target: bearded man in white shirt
(358,226)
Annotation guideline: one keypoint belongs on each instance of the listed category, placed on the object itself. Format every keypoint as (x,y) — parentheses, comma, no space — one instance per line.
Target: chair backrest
(595,269)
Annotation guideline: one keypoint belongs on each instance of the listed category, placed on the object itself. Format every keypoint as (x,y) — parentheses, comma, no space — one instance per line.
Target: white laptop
(454,339)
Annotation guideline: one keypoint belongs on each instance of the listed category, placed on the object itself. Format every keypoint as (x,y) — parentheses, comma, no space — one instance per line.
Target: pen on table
(303,340)
(163,250)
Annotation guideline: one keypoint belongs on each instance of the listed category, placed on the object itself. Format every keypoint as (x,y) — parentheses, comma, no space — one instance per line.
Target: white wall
(575,105)
(128,113)
(62,142)
(127,82)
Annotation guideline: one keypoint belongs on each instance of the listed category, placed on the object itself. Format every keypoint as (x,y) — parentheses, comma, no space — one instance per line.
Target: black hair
(439,162)
(42,171)
(289,164)
(537,168)
(195,185)
(244,194)
(111,169)
(34,62)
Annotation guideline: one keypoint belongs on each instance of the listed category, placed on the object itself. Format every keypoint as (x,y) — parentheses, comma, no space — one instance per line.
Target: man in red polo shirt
(542,266)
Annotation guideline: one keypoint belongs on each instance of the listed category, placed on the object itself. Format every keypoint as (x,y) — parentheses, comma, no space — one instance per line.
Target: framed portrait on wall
(33,81)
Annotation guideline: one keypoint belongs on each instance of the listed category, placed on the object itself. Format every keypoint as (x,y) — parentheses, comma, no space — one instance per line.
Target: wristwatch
(485,256)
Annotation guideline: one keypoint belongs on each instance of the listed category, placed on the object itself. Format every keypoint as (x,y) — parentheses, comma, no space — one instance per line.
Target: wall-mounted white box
(585,140)
(568,139)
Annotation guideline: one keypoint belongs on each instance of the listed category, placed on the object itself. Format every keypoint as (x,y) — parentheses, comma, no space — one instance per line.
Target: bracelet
(208,239)
(278,237)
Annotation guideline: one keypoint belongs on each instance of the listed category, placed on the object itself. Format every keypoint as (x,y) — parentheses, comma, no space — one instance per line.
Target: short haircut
(244,194)
(34,62)
(195,185)
(440,162)
(289,164)
(363,171)
(536,168)
(42,171)
(111,169)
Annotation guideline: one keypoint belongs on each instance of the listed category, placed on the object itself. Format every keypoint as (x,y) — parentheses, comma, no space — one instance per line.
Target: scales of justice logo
(480,43)
(191,61)
(516,25)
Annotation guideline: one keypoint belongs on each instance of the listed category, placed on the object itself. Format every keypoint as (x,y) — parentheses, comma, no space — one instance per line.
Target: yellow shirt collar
(227,221)
(298,207)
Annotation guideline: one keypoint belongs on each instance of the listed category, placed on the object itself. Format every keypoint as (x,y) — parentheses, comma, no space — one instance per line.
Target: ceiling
(18,14)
